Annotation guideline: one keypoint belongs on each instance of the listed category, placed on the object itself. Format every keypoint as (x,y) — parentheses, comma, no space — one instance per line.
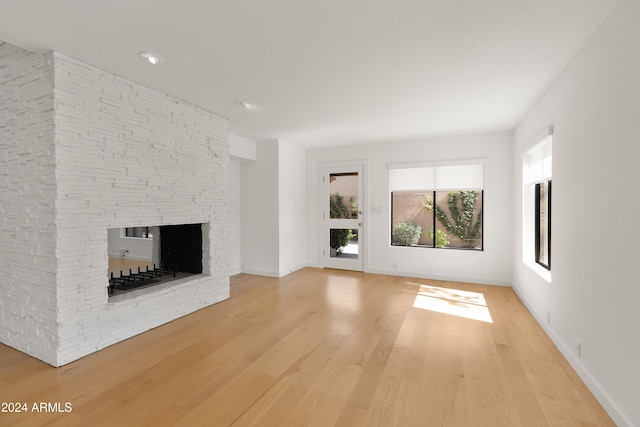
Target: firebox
(140,257)
(181,248)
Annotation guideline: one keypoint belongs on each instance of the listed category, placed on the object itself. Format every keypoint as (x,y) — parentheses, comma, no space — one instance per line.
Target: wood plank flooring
(116,265)
(320,348)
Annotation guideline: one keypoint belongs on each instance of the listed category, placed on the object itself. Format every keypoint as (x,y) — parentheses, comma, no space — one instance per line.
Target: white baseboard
(600,394)
(266,273)
(269,273)
(476,280)
(291,270)
(131,257)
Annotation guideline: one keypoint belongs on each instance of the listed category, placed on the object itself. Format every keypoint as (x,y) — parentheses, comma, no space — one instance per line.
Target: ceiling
(326,72)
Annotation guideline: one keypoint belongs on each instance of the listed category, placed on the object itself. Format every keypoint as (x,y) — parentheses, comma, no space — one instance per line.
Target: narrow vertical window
(537,165)
(543,224)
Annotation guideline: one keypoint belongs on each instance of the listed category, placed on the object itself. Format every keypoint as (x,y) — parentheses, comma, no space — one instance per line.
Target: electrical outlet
(548,317)
(579,349)
(396,267)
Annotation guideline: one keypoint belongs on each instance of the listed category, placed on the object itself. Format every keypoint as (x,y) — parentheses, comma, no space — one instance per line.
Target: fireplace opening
(140,257)
(181,247)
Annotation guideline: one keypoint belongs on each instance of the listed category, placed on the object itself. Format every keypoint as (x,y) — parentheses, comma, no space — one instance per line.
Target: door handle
(360,224)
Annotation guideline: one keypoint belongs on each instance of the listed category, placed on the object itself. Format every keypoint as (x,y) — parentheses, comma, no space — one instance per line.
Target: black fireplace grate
(139,278)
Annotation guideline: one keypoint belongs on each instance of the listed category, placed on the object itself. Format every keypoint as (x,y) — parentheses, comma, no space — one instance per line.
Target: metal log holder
(139,278)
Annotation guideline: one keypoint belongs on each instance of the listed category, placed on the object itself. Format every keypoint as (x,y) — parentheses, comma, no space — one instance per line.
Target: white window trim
(528,202)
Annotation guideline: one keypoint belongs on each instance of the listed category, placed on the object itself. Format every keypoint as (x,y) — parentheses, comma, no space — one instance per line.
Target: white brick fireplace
(83,151)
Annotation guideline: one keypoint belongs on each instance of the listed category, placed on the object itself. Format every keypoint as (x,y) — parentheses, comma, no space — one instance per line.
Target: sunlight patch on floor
(467,304)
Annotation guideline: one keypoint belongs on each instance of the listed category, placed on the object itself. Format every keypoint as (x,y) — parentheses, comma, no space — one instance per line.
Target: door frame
(323,237)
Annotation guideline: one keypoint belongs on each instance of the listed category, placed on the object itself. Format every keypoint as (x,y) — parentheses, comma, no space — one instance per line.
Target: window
(543,224)
(139,232)
(536,205)
(437,206)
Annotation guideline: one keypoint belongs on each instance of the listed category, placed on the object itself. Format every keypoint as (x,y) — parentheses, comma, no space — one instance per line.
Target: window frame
(537,227)
(537,167)
(434,220)
(149,235)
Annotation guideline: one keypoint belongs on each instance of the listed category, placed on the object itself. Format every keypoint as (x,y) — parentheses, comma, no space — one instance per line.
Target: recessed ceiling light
(246,105)
(152,58)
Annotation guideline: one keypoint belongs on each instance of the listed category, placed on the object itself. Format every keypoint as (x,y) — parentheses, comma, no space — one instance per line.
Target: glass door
(343,218)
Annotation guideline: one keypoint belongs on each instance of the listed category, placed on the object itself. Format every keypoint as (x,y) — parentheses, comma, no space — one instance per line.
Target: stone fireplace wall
(28,306)
(125,156)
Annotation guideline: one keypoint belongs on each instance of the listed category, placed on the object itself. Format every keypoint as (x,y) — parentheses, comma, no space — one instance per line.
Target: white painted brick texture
(127,155)
(82,151)
(27,203)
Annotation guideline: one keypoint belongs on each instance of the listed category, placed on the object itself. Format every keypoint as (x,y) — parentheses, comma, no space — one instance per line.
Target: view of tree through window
(440,219)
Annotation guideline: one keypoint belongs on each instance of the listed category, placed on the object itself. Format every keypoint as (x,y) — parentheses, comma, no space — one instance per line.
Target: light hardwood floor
(117,265)
(320,348)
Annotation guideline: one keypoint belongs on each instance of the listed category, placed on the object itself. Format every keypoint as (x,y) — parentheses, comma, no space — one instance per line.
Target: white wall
(292,203)
(242,148)
(490,266)
(593,296)
(138,248)
(235,218)
(273,210)
(260,211)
